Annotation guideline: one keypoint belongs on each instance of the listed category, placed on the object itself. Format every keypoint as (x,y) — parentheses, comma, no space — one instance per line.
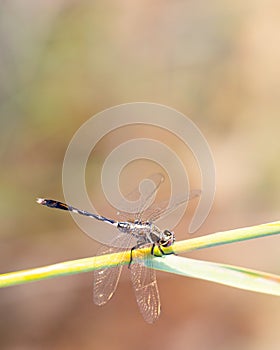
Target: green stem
(226,237)
(110,260)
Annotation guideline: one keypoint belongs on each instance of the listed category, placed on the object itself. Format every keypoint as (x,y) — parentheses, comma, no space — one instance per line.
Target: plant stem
(111,260)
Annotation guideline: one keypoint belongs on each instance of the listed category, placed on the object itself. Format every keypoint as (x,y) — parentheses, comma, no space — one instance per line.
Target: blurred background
(63,61)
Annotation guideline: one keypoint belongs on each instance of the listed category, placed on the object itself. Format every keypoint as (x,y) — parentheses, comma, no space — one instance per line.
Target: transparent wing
(146,289)
(148,212)
(158,179)
(106,280)
(147,197)
(161,209)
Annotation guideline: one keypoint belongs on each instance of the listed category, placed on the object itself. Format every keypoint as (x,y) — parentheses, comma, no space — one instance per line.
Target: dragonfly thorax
(147,233)
(136,228)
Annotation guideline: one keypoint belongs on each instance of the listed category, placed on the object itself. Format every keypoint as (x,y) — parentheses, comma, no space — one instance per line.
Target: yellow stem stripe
(111,260)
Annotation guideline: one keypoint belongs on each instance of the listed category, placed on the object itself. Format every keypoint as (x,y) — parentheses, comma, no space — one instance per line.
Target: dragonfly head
(168,238)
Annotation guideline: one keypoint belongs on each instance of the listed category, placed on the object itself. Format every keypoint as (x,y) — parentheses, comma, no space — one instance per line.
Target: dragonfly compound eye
(168,234)
(168,238)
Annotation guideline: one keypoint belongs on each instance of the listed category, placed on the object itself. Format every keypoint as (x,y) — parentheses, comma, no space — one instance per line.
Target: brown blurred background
(63,61)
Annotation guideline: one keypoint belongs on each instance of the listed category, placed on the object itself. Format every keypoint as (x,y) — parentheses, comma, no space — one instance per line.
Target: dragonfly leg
(153,250)
(130,261)
(137,246)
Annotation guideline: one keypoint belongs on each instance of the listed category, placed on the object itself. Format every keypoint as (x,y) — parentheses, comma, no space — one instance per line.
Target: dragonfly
(134,233)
